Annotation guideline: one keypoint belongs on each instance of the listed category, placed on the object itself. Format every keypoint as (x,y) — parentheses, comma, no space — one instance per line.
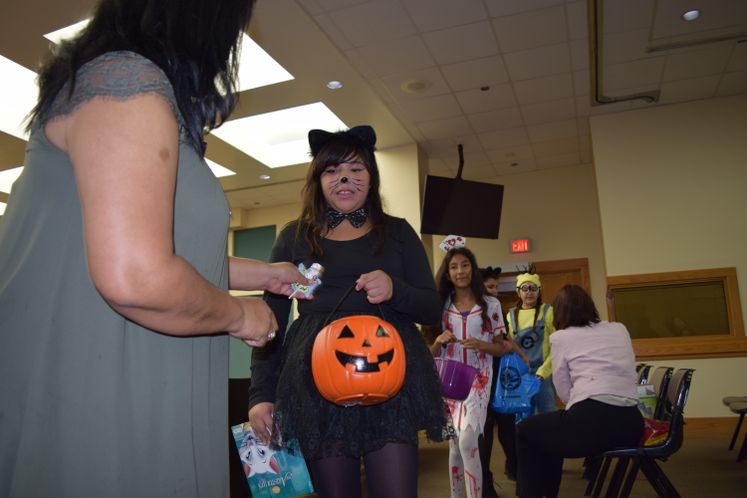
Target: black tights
(390,471)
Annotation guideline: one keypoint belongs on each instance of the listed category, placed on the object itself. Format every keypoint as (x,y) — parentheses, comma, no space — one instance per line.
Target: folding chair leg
(736,431)
(601,476)
(617,478)
(743,451)
(591,472)
(630,479)
(658,479)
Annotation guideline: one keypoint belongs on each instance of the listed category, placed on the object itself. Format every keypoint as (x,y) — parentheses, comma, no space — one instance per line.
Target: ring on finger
(271,335)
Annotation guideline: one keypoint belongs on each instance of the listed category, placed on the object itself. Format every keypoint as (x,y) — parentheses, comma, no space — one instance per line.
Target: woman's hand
(260,417)
(257,324)
(377,285)
(281,276)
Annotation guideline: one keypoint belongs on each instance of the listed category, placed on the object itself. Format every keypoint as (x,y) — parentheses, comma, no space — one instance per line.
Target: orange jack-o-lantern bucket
(358,360)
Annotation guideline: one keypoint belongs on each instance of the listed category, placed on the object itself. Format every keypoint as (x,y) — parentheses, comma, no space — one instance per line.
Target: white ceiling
(509,79)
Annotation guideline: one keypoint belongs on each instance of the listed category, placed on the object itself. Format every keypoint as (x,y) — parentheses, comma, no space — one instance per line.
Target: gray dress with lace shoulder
(92,404)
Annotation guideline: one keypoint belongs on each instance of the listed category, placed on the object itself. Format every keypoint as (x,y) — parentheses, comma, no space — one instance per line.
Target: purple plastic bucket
(456,378)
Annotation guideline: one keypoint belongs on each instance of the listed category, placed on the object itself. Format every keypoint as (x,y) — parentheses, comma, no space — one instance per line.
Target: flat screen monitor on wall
(461,207)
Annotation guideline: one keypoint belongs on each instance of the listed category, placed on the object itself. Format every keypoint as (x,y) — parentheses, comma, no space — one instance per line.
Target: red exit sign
(520,245)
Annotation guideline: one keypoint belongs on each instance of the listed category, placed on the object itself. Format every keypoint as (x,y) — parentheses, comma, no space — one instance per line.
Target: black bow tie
(357,218)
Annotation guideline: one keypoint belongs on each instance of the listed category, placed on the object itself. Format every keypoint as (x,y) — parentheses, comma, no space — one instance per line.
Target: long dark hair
(446,287)
(194,42)
(574,307)
(343,147)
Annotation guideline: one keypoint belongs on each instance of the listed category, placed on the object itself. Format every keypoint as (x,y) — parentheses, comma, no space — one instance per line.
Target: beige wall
(557,209)
(671,183)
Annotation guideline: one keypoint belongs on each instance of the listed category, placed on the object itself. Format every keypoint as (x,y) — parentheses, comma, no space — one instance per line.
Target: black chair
(733,400)
(596,467)
(642,369)
(644,457)
(660,378)
(740,408)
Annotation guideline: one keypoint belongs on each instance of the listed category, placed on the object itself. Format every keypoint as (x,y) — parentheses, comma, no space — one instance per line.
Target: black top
(402,257)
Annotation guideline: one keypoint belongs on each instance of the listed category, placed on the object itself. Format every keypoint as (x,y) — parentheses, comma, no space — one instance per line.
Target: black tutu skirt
(325,429)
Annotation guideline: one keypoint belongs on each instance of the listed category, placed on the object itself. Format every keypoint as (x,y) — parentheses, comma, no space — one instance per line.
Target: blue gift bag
(515,387)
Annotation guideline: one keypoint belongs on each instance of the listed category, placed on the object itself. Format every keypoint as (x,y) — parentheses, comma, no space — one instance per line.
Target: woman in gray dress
(114,315)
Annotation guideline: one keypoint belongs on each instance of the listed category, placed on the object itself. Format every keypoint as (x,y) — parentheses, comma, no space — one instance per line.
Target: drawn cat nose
(344,179)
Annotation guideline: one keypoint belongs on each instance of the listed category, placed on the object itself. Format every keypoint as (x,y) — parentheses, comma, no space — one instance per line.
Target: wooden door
(554,275)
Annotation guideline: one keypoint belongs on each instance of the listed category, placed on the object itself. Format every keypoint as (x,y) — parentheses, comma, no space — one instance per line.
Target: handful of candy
(313,273)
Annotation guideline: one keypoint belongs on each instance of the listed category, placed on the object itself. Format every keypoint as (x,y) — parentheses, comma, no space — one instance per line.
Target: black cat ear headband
(362,136)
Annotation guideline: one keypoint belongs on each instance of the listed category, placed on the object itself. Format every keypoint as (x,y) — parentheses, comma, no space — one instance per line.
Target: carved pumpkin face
(358,359)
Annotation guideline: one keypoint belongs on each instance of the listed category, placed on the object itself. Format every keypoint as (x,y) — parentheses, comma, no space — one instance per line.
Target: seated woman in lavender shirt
(594,375)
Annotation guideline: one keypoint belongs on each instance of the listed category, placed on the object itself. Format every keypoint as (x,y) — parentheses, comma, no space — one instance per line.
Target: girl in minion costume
(530,324)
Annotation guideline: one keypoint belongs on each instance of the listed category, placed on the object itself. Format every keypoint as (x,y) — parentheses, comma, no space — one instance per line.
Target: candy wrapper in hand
(314,274)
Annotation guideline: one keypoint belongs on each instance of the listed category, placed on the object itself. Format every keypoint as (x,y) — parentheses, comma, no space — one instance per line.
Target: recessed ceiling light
(691,15)
(415,86)
(218,170)
(334,85)
(7,177)
(279,138)
(264,177)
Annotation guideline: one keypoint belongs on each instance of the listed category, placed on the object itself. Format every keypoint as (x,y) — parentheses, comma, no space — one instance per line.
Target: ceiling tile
(475,73)
(510,154)
(431,108)
(555,147)
(554,110)
(478,173)
(396,56)
(544,89)
(578,27)
(335,35)
(536,62)
(515,167)
(501,139)
(690,89)
(738,61)
(580,54)
(716,14)
(553,131)
(406,86)
(497,97)
(335,4)
(581,82)
(498,8)
(443,128)
(628,15)
(430,15)
(472,41)
(385,20)
(558,160)
(531,29)
(625,47)
(634,74)
(496,120)
(732,84)
(696,63)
